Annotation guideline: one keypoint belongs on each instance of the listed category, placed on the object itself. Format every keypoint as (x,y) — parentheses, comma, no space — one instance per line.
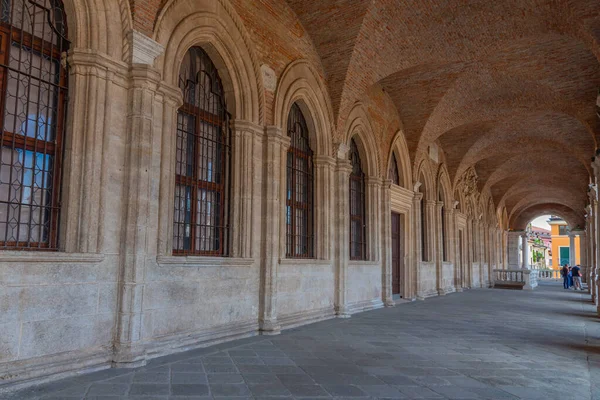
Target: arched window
(357,206)
(33,83)
(202,169)
(299,191)
(393,174)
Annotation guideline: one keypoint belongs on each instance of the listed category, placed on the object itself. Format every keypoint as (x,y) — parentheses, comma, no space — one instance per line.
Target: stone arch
(444,186)
(98,25)
(360,128)
(218,30)
(399,148)
(424,176)
(299,83)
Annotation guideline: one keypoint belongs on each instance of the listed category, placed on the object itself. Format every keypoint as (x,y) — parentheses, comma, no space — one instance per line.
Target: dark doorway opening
(397,253)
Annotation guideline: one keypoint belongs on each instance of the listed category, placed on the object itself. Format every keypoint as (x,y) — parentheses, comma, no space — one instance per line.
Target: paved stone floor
(481,344)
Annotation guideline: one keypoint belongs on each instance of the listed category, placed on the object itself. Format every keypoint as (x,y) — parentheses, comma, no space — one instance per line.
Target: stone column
(512,249)
(94,80)
(373,231)
(417,246)
(386,244)
(342,172)
(572,258)
(244,175)
(129,350)
(439,242)
(525,250)
(276,146)
(324,181)
(469,237)
(430,220)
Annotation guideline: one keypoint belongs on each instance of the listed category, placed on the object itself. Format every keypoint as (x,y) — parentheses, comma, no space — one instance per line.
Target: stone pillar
(129,350)
(525,250)
(342,172)
(386,244)
(246,137)
(512,249)
(417,246)
(572,258)
(469,237)
(276,147)
(324,181)
(430,220)
(439,242)
(373,229)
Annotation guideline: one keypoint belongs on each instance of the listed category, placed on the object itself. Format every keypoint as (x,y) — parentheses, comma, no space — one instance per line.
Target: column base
(389,303)
(129,356)
(441,292)
(458,289)
(342,312)
(269,327)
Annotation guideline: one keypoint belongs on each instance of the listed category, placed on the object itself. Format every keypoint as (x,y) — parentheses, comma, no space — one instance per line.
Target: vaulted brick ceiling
(508,87)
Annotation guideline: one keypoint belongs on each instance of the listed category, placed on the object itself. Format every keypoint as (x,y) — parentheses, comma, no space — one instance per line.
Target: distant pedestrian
(565,274)
(570,277)
(576,272)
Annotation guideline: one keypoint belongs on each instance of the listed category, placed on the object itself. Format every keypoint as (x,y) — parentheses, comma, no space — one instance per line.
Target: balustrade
(516,278)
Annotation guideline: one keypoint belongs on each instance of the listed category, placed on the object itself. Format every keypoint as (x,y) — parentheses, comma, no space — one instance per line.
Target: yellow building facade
(560,243)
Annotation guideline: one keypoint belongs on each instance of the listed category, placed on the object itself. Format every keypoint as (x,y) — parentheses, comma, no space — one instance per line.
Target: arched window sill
(199,261)
(49,257)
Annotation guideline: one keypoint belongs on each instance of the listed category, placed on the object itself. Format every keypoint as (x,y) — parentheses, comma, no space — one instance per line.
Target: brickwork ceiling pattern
(508,87)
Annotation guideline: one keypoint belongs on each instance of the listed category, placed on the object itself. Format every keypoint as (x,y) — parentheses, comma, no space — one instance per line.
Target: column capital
(343,166)
(323,160)
(418,196)
(242,125)
(275,134)
(577,232)
(143,50)
(374,181)
(387,184)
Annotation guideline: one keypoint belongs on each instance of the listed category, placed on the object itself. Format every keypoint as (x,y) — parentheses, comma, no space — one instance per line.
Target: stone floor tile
(221,369)
(187,367)
(152,377)
(260,378)
(225,378)
(223,390)
(379,391)
(419,392)
(104,389)
(268,389)
(189,390)
(345,391)
(307,391)
(189,378)
(148,389)
(295,379)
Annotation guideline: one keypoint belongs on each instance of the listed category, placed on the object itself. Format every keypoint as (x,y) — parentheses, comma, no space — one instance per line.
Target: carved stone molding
(143,50)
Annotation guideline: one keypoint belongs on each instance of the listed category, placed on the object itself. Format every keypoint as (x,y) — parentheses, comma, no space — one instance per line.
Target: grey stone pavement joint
(480,344)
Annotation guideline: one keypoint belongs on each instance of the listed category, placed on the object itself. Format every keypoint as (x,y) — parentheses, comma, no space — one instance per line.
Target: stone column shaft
(343,169)
(129,349)
(386,243)
(417,245)
(276,146)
